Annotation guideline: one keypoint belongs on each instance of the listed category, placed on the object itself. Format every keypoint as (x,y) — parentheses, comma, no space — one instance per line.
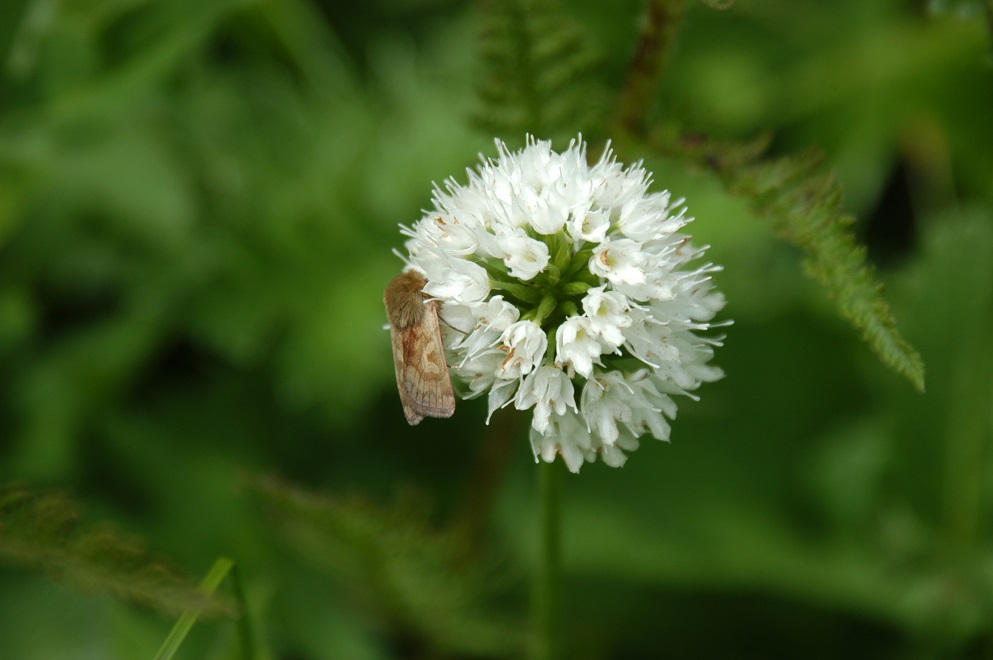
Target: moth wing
(422,373)
(399,365)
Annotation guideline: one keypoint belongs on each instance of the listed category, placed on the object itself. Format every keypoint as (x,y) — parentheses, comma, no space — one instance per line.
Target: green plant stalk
(663,19)
(545,593)
(185,623)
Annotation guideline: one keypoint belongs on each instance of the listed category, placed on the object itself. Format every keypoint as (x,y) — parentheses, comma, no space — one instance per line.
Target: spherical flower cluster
(567,288)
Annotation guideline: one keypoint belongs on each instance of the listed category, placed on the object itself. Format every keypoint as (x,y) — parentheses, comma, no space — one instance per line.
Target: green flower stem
(575,288)
(520,291)
(546,307)
(578,261)
(550,351)
(561,252)
(545,593)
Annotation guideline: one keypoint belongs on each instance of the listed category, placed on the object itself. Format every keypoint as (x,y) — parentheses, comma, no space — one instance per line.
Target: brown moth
(418,355)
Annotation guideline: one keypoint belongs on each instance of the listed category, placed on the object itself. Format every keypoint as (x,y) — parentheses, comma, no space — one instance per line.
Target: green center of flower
(556,292)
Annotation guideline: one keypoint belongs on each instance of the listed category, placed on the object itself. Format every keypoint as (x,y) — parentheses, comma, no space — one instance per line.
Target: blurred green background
(198,203)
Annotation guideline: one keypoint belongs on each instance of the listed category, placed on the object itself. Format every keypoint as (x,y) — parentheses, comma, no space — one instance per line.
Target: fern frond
(409,574)
(537,71)
(41,532)
(803,204)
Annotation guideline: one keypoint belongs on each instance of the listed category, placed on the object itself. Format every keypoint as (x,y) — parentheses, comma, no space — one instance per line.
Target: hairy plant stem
(661,24)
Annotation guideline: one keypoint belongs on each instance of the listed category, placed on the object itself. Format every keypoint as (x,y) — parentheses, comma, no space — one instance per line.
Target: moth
(418,355)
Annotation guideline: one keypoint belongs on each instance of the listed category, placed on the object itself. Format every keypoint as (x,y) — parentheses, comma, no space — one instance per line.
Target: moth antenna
(460,331)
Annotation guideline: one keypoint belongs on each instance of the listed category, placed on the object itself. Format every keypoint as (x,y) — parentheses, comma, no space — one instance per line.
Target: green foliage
(417,581)
(529,64)
(537,72)
(179,228)
(42,532)
(960,419)
(803,205)
(718,5)
(197,206)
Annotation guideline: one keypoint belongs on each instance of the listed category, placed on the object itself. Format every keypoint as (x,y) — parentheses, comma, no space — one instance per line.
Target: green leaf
(175,30)
(418,579)
(182,628)
(803,204)
(41,532)
(13,14)
(537,77)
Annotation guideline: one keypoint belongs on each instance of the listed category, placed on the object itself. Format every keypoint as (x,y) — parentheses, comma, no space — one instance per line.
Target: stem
(644,76)
(545,594)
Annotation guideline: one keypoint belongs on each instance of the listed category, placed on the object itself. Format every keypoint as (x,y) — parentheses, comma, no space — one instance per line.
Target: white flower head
(571,291)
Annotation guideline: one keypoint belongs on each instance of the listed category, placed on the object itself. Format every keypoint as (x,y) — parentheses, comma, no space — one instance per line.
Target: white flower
(622,261)
(631,400)
(566,436)
(607,400)
(543,247)
(524,257)
(591,225)
(475,329)
(608,315)
(547,389)
(524,343)
(577,345)
(457,281)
